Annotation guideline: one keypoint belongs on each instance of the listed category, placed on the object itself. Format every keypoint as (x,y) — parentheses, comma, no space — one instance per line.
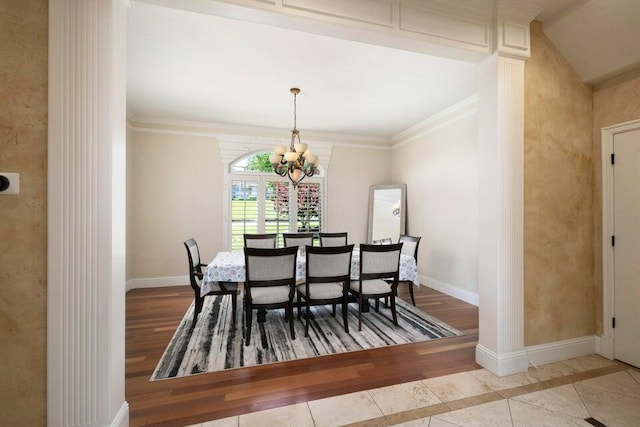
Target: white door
(626,178)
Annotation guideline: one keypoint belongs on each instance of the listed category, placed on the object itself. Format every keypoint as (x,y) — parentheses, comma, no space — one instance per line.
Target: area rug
(215,344)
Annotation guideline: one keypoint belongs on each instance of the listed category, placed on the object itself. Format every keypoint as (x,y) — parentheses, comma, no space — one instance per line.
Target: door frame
(607,348)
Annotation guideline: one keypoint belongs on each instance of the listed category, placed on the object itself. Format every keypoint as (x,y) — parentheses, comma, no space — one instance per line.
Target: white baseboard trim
(461,294)
(122,417)
(502,364)
(156,282)
(562,350)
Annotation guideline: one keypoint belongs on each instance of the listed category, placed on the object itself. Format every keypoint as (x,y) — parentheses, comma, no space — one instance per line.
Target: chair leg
(413,300)
(334,311)
(345,312)
(377,305)
(197,309)
(306,317)
(393,308)
(234,306)
(299,305)
(290,311)
(249,314)
(359,312)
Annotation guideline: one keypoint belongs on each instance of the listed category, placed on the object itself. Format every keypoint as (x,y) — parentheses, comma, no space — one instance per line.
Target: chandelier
(297,161)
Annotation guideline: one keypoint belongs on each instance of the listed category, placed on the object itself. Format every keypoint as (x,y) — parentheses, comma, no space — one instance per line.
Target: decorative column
(501,154)
(85,337)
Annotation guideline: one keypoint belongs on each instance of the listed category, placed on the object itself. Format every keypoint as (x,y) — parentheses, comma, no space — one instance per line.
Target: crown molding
(198,128)
(444,118)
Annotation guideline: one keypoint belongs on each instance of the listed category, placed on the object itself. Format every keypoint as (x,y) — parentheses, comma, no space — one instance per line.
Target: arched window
(263,202)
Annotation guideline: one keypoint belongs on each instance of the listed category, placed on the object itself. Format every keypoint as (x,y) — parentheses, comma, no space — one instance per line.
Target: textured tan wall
(558,199)
(614,101)
(23,218)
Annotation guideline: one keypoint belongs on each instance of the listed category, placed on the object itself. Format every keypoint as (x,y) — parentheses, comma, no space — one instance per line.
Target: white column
(501,277)
(85,320)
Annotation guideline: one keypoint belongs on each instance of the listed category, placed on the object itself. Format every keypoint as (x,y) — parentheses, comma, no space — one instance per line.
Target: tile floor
(568,393)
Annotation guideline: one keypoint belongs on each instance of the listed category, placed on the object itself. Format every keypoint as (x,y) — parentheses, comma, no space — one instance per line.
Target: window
(262,202)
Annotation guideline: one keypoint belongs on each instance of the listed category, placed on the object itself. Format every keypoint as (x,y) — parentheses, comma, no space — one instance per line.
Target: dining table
(229,267)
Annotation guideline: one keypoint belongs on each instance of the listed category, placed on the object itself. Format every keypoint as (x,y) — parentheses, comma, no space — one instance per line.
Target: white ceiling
(195,67)
(189,66)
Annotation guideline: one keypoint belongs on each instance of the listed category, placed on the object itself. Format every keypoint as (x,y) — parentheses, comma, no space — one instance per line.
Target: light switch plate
(14,183)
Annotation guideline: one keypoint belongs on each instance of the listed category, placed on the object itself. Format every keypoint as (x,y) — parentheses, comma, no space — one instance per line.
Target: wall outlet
(9,183)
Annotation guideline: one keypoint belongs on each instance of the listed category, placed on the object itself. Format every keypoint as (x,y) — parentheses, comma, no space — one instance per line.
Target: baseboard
(562,350)
(445,288)
(156,282)
(122,417)
(502,364)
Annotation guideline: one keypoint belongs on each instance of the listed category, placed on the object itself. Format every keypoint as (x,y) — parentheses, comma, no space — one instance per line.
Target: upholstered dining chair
(410,247)
(263,241)
(378,262)
(297,239)
(333,239)
(327,280)
(195,276)
(270,282)
(385,241)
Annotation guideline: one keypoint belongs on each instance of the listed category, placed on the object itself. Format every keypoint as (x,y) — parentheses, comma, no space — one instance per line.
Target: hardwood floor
(154,314)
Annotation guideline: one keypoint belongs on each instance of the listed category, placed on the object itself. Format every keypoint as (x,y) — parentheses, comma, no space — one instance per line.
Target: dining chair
(410,248)
(377,262)
(327,279)
(333,239)
(385,241)
(263,241)
(195,277)
(297,239)
(270,282)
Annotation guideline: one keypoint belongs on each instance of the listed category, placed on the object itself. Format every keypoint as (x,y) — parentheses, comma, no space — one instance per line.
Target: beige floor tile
(635,374)
(403,397)
(549,371)
(297,415)
(456,386)
(422,422)
(492,414)
(195,425)
(496,383)
(345,409)
(619,383)
(224,422)
(609,408)
(436,422)
(524,414)
(562,399)
(587,363)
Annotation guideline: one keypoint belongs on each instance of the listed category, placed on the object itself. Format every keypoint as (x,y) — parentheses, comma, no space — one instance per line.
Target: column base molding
(502,364)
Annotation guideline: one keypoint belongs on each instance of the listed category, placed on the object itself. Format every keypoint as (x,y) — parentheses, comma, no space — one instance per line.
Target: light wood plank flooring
(154,314)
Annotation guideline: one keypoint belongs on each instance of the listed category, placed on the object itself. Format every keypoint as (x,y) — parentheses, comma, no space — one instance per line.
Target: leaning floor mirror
(387,213)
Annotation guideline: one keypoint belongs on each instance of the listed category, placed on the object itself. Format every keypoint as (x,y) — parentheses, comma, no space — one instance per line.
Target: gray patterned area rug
(215,344)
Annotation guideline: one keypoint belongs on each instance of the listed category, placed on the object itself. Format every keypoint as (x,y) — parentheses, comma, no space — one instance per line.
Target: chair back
(263,241)
(193,253)
(297,239)
(385,241)
(410,245)
(380,261)
(270,267)
(333,239)
(328,264)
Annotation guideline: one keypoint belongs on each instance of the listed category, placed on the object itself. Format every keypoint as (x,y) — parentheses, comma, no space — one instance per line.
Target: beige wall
(558,200)
(129,209)
(348,188)
(441,173)
(614,101)
(176,184)
(23,223)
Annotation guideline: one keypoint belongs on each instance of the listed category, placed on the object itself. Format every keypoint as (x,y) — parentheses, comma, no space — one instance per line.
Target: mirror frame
(403,207)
